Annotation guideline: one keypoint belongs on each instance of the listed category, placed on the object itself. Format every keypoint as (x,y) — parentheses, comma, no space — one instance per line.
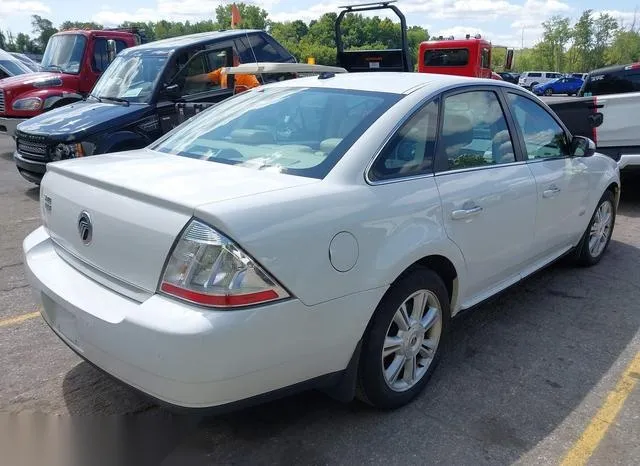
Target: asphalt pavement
(547,372)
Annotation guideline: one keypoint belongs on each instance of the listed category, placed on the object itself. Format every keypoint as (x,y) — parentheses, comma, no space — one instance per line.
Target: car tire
(533,84)
(548,92)
(598,234)
(413,344)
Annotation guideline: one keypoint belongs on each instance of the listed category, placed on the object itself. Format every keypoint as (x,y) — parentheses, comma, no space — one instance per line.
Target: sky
(511,23)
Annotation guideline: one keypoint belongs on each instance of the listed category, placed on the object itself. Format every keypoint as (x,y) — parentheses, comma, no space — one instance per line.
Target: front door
(197,87)
(562,180)
(488,194)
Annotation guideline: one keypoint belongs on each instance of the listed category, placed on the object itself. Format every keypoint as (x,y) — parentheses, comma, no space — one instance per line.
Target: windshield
(299,131)
(64,53)
(12,68)
(131,77)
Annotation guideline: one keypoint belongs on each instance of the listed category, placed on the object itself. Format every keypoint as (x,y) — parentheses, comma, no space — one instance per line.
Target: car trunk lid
(135,205)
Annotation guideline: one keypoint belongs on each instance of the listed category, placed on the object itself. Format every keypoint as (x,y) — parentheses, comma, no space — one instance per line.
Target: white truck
(610,101)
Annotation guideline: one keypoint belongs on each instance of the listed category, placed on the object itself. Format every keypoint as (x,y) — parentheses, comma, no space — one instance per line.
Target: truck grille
(32,150)
(1,101)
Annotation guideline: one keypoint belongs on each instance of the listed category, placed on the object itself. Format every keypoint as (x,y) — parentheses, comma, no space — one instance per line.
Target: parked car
(569,86)
(222,264)
(32,65)
(510,77)
(530,79)
(581,76)
(134,102)
(10,66)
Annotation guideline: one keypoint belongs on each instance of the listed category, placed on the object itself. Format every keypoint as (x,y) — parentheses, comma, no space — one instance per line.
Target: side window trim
(520,135)
(441,166)
(396,129)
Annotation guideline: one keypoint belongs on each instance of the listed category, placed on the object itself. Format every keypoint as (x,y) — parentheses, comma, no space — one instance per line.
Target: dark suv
(612,80)
(141,96)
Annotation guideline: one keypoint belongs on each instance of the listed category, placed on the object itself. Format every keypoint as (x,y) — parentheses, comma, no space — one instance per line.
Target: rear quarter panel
(290,231)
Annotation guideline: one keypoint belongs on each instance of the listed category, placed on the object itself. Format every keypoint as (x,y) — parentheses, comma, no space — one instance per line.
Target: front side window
(100,59)
(474,132)
(543,137)
(446,57)
(410,151)
(534,75)
(64,53)
(131,77)
(298,131)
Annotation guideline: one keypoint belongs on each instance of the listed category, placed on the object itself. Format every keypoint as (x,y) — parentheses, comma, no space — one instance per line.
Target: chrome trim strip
(98,275)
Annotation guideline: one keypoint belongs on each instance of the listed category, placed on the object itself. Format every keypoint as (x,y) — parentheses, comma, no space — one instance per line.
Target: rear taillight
(207,268)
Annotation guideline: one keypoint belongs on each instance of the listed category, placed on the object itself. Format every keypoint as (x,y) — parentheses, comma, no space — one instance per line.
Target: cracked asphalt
(522,379)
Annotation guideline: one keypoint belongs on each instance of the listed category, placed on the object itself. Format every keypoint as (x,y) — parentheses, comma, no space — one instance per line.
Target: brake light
(207,268)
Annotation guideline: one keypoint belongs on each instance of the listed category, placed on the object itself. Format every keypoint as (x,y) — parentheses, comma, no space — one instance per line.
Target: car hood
(29,78)
(75,121)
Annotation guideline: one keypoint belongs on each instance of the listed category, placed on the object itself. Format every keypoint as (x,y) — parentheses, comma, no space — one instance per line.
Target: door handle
(466,213)
(551,191)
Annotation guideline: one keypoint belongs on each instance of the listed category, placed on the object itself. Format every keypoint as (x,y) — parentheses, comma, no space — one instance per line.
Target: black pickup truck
(134,102)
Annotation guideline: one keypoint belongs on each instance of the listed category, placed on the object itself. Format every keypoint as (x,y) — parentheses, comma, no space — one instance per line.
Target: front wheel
(598,234)
(403,342)
(548,92)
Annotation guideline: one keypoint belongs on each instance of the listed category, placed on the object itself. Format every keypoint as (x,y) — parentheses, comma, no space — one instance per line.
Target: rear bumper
(8,125)
(31,170)
(187,356)
(629,161)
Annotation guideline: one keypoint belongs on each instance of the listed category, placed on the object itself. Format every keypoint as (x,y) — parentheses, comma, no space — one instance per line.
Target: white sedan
(318,232)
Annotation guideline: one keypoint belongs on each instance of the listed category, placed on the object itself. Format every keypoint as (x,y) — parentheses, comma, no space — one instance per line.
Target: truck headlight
(67,151)
(29,103)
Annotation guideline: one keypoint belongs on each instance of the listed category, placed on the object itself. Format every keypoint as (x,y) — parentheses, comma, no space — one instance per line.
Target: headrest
(252,136)
(328,145)
(457,129)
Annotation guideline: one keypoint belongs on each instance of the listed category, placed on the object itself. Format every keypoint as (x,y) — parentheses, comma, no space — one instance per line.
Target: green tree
(25,44)
(582,34)
(604,31)
(252,16)
(43,29)
(80,25)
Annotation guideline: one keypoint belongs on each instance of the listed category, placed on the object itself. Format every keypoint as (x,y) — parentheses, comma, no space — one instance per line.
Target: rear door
(562,181)
(487,191)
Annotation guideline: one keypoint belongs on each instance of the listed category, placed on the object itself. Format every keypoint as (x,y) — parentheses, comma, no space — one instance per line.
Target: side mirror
(582,147)
(509,60)
(111,49)
(172,91)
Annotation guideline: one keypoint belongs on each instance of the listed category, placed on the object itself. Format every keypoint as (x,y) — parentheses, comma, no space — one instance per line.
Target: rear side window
(617,82)
(264,48)
(410,152)
(446,57)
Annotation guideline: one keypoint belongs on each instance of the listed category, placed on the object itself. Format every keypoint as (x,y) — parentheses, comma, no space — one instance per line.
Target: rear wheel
(598,234)
(403,342)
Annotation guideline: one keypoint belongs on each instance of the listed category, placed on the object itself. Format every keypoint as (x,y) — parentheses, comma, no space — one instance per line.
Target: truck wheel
(404,340)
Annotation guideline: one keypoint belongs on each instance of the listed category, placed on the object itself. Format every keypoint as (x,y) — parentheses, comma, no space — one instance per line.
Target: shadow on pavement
(514,370)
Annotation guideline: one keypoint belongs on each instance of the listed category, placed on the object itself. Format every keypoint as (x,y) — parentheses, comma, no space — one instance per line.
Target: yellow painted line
(600,423)
(19,319)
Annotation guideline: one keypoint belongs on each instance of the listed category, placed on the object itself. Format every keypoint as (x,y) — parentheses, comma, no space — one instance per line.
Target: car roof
(391,82)
(614,68)
(172,43)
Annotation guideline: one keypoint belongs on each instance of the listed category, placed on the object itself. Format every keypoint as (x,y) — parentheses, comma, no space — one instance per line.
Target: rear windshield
(446,57)
(616,82)
(299,131)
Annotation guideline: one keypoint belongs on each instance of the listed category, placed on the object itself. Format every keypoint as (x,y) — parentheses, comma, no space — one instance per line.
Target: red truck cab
(72,63)
(460,57)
